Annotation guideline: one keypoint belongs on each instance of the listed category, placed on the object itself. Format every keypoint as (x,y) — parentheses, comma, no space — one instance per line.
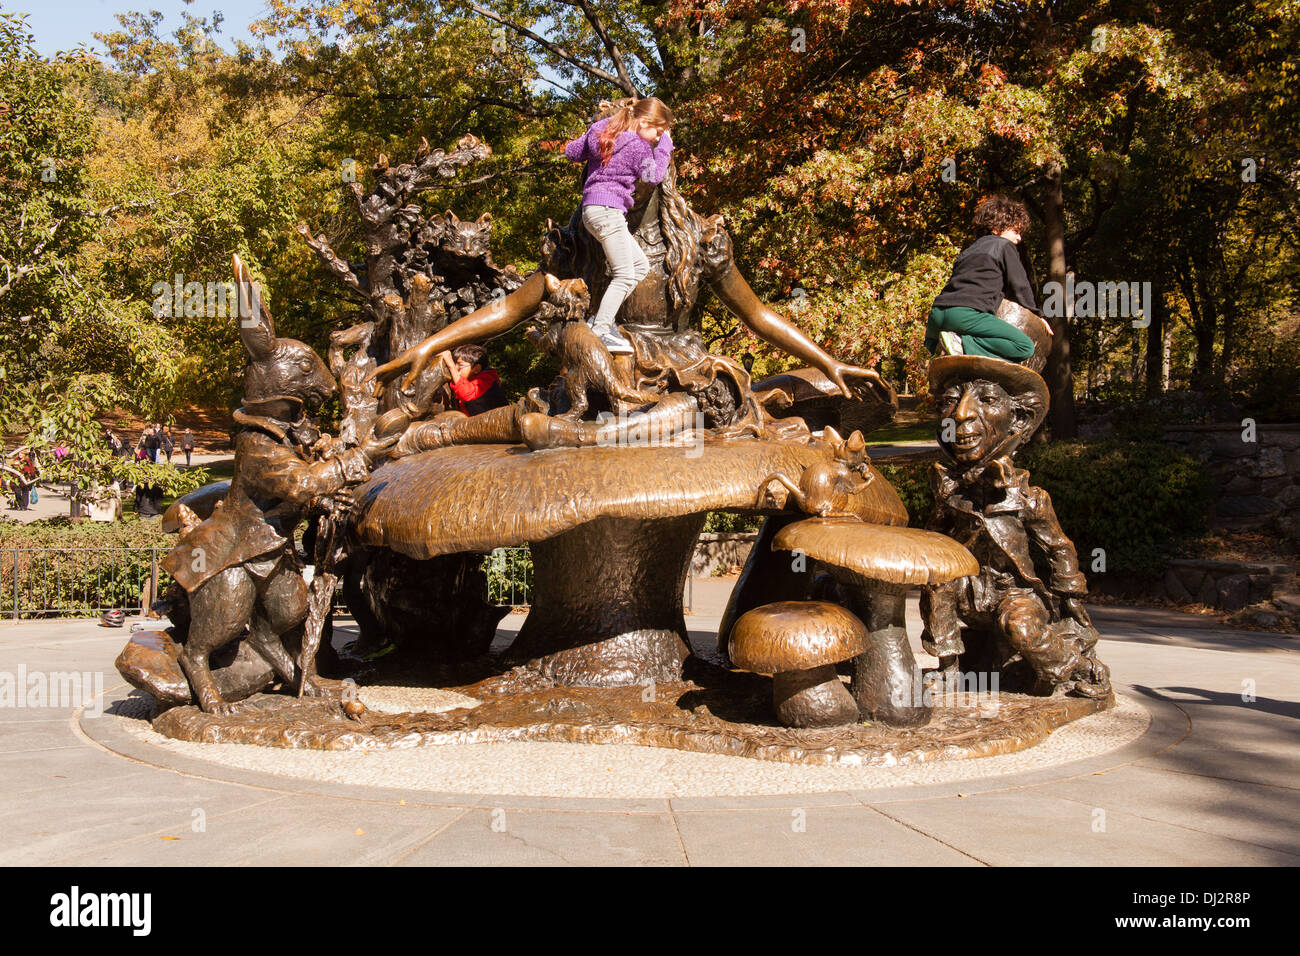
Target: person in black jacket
(963,319)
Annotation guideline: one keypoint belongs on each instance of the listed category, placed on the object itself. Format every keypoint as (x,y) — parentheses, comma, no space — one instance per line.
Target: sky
(62,24)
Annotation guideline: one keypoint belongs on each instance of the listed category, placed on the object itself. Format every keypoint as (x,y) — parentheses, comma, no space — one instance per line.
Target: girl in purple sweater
(633,143)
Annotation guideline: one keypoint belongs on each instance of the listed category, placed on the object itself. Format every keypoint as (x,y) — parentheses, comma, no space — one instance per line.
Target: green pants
(981,333)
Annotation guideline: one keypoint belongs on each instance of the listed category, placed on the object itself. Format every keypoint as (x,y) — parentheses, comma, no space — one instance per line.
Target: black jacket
(986,272)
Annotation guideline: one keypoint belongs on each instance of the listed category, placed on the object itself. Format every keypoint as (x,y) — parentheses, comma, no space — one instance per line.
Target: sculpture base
(719,712)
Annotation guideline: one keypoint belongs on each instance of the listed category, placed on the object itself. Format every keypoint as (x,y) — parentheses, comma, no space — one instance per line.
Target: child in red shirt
(477,387)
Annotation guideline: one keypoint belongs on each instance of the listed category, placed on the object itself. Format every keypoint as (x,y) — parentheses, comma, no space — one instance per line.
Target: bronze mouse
(824,488)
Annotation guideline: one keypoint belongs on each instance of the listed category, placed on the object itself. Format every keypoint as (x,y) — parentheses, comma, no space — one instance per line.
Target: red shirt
(473,387)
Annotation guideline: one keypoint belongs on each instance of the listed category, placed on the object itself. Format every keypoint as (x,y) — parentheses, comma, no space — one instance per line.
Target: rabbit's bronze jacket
(274,483)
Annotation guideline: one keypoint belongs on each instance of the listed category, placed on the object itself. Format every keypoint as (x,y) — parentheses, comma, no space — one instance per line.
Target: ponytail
(626,114)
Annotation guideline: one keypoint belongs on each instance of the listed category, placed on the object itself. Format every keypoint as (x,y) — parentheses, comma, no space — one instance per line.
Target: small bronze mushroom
(875,565)
(799,643)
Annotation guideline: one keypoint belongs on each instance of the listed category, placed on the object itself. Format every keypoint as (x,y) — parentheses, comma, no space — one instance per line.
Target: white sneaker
(951,343)
(614,341)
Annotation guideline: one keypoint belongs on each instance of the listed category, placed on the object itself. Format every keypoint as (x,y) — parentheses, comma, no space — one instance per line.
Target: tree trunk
(1059,374)
(1168,351)
(1202,328)
(1155,348)
(1210,324)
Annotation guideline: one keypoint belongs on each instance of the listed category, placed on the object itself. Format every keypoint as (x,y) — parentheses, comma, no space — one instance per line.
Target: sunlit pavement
(1214,781)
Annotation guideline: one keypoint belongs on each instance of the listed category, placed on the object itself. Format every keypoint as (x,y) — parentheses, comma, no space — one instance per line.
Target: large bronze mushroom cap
(907,556)
(480,497)
(794,636)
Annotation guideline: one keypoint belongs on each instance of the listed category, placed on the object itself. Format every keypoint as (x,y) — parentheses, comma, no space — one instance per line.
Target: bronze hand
(497,317)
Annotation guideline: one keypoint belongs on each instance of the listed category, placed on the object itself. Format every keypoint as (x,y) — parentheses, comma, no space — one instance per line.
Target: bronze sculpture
(606,475)
(686,251)
(799,643)
(1021,618)
(239,568)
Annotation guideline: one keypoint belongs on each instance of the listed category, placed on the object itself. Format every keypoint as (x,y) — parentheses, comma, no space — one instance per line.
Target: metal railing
(510,578)
(83,582)
(78,582)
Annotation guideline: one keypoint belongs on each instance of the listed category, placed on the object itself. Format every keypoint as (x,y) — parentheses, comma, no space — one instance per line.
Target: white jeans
(626,260)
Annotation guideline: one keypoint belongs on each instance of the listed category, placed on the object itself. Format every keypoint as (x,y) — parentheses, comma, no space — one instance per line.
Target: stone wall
(1258,486)
(721,549)
(1258,481)
(1227,585)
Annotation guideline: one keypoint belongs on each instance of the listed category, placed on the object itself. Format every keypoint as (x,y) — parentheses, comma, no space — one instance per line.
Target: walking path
(1214,780)
(53,501)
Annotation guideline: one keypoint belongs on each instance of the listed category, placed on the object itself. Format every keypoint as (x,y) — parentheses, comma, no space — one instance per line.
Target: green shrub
(130,532)
(1138,501)
(912,482)
(58,566)
(509,576)
(728,522)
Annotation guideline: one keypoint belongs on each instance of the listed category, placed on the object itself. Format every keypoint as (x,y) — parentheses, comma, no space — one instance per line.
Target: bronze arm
(771,326)
(495,318)
(280,473)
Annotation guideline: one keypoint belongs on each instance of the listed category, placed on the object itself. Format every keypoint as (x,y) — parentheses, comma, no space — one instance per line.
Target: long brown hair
(629,113)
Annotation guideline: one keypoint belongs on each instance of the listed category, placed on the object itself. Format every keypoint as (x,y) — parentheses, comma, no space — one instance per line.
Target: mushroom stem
(607,606)
(767,576)
(812,698)
(887,684)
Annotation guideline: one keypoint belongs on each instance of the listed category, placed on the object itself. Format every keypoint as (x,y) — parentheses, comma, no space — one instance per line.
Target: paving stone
(839,836)
(1258,814)
(537,838)
(1222,795)
(74,820)
(1030,828)
(292,830)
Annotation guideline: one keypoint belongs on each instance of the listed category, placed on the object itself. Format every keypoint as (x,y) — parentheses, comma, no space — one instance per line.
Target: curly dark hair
(999,213)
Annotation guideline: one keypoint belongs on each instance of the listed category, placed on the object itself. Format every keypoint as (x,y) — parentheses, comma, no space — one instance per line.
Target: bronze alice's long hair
(628,113)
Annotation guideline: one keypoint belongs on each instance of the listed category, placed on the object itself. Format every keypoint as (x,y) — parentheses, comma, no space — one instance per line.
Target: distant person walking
(187,445)
(152,442)
(26,468)
(168,444)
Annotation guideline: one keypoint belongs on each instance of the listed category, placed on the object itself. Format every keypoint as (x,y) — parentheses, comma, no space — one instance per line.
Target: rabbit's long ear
(256,327)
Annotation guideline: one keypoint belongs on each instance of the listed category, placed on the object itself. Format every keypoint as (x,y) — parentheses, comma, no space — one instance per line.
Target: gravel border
(624,771)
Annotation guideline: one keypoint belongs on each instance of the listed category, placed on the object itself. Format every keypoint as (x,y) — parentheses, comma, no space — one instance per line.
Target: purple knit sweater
(612,184)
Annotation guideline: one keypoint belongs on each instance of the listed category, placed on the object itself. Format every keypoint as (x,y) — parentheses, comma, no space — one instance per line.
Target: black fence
(78,582)
(83,582)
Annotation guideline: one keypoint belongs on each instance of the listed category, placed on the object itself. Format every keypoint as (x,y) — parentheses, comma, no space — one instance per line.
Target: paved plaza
(1210,779)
